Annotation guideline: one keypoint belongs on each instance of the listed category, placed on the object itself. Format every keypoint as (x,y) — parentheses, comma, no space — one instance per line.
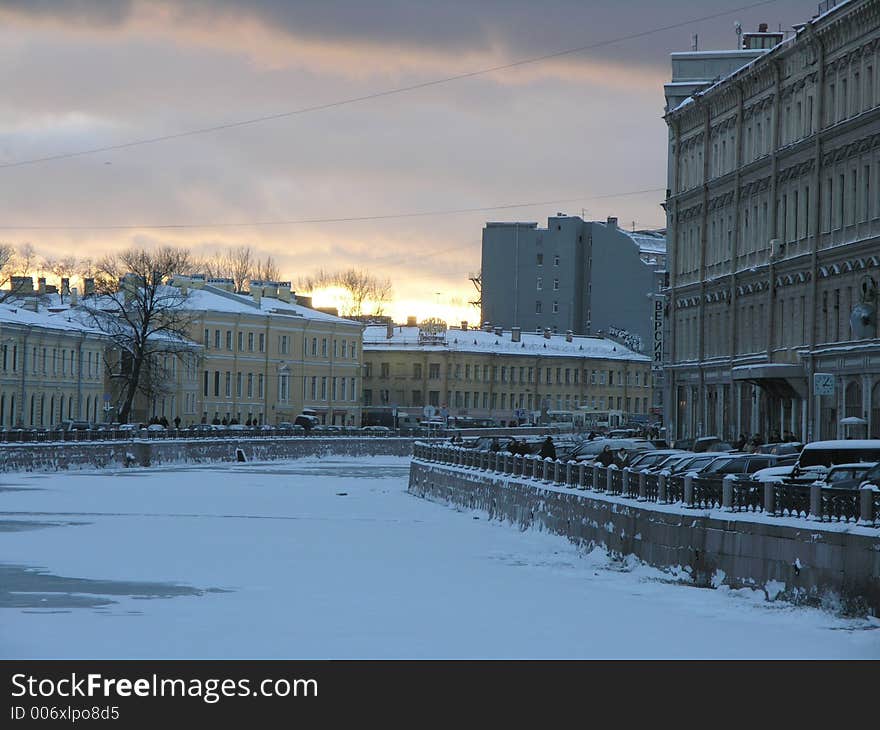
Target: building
(266,358)
(508,376)
(774,239)
(584,276)
(51,365)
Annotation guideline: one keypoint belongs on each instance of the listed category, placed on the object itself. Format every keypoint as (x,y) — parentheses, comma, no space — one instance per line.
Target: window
(284,387)
(556,260)
(385,370)
(538,308)
(540,283)
(324,347)
(250,385)
(555,307)
(434,372)
(250,341)
(207,338)
(314,346)
(241,341)
(283,346)
(216,339)
(216,383)
(229,340)
(556,285)
(261,386)
(228,383)
(417,371)
(540,258)
(238,382)
(262,342)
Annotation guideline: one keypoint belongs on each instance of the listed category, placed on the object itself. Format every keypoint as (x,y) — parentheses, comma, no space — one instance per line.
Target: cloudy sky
(81,74)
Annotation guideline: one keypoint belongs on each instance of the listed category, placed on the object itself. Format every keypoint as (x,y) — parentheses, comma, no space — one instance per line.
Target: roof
(844,444)
(213,299)
(480,341)
(59,319)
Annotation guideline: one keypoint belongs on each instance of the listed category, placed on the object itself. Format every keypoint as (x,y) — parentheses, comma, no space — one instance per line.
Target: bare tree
(143,316)
(360,287)
(240,264)
(15,263)
(26,260)
(266,270)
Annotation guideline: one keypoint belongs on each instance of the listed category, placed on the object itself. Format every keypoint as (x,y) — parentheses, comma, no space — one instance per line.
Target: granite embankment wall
(833,565)
(113,454)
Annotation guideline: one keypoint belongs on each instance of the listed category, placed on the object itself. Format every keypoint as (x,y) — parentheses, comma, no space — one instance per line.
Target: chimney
(498,331)
(569,336)
(464,325)
(257,292)
(270,289)
(22,284)
(41,285)
(762,27)
(515,334)
(65,286)
(546,333)
(284,293)
(411,322)
(487,326)
(612,221)
(197,281)
(88,287)
(389,330)
(73,297)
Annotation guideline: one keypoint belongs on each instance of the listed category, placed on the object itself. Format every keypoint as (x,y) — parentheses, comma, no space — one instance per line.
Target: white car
(376,430)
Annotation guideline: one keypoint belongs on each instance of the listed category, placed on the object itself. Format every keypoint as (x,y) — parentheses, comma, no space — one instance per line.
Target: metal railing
(729,494)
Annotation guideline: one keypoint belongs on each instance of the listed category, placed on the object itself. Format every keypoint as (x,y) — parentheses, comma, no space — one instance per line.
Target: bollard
(866,505)
(769,498)
(582,475)
(498,462)
(643,487)
(557,471)
(816,502)
(608,486)
(568,475)
(661,488)
(688,500)
(727,493)
(595,484)
(624,488)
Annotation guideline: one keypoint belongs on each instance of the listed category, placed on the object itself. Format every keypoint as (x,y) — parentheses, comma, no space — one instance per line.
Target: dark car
(738,464)
(851,476)
(307,422)
(76,426)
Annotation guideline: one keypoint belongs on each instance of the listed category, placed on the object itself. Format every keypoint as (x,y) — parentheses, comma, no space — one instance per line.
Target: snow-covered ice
(332,558)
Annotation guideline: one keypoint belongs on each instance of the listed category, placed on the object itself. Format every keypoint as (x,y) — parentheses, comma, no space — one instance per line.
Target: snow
(332,558)
(475,340)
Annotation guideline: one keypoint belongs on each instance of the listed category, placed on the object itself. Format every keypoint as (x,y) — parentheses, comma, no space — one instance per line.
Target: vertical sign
(657,363)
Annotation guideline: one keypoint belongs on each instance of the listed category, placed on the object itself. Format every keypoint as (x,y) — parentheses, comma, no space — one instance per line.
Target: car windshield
(849,472)
(719,465)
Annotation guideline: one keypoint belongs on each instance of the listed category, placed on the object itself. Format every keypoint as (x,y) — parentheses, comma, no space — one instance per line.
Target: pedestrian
(789,437)
(605,458)
(621,459)
(547,449)
(591,436)
(741,442)
(495,446)
(177,422)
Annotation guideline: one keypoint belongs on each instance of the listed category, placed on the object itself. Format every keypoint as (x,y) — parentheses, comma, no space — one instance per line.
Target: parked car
(710,443)
(738,464)
(687,463)
(129,427)
(848,451)
(307,421)
(155,428)
(76,426)
(783,448)
(589,450)
(648,459)
(850,476)
(376,430)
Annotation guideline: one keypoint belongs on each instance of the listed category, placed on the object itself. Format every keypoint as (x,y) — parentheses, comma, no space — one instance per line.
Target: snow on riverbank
(331,557)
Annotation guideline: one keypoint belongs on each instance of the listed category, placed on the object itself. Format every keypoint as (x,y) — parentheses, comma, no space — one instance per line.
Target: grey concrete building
(774,238)
(585,276)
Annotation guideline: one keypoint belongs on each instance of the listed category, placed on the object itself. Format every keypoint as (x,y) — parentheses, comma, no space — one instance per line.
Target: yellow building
(265,358)
(506,376)
(51,365)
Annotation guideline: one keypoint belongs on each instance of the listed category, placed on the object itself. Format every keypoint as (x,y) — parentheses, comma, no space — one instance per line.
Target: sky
(580,128)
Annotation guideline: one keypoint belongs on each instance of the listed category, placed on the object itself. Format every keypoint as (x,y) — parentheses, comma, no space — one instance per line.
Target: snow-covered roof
(13,313)
(840,4)
(479,341)
(214,299)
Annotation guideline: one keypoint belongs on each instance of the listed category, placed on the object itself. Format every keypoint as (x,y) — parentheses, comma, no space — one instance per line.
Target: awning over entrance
(780,380)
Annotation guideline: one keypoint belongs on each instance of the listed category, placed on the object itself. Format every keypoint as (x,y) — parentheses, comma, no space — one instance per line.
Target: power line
(314,221)
(378,94)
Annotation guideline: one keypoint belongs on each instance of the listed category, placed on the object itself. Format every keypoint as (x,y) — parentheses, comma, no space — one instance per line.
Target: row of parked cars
(841,464)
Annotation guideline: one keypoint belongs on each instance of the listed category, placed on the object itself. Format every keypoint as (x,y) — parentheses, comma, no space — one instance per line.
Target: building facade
(584,276)
(774,239)
(51,366)
(266,358)
(507,376)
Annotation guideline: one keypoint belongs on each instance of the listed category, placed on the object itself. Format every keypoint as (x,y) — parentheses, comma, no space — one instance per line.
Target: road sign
(823,384)
(429,411)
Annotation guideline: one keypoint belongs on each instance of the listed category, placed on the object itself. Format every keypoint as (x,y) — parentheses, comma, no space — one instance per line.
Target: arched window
(854,399)
(875,411)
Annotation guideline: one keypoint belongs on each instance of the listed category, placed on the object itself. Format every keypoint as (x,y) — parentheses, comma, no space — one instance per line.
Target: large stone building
(266,358)
(774,238)
(51,365)
(508,376)
(584,276)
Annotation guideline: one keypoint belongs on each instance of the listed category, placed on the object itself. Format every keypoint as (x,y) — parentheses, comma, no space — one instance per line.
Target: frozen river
(332,558)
